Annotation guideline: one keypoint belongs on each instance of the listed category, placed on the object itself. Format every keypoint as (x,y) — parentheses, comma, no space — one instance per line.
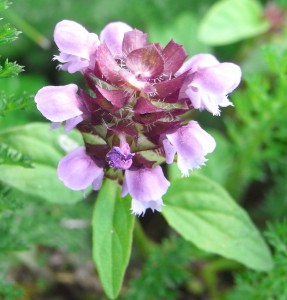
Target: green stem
(143,243)
(28,29)
(210,274)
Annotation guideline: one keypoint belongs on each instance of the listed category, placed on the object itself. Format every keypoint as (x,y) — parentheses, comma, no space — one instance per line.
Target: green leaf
(40,182)
(112,237)
(203,213)
(45,148)
(229,21)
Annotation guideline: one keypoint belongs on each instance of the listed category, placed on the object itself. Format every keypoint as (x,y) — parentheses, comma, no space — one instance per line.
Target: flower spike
(133,112)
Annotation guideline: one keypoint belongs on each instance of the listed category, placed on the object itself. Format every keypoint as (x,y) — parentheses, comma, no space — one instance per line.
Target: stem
(28,30)
(210,274)
(143,243)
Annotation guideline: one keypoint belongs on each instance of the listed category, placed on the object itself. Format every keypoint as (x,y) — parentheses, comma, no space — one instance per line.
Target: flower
(112,35)
(60,103)
(146,186)
(120,157)
(191,143)
(78,170)
(125,57)
(132,112)
(77,46)
(209,82)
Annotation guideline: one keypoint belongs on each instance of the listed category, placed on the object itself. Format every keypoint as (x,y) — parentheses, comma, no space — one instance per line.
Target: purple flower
(78,170)
(60,103)
(112,35)
(120,157)
(125,58)
(209,82)
(146,186)
(77,46)
(191,143)
(132,112)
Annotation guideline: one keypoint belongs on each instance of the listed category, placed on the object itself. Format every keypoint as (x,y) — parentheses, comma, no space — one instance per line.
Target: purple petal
(146,184)
(198,62)
(97,183)
(219,79)
(174,56)
(133,40)
(122,128)
(108,66)
(73,122)
(78,170)
(169,150)
(118,98)
(143,106)
(191,143)
(168,87)
(71,63)
(120,157)
(59,103)
(145,112)
(145,62)
(72,38)
(138,207)
(133,82)
(209,86)
(125,189)
(113,35)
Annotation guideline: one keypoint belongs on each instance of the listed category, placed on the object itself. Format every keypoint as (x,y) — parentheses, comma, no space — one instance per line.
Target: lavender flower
(78,170)
(130,112)
(120,157)
(77,46)
(209,82)
(146,186)
(66,104)
(191,143)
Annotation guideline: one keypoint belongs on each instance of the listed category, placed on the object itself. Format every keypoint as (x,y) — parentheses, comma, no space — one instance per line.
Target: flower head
(130,112)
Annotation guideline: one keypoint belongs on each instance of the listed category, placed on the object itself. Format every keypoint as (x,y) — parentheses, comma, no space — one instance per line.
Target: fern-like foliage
(7,201)
(9,103)
(10,69)
(7,35)
(275,202)
(162,275)
(268,286)
(259,134)
(10,156)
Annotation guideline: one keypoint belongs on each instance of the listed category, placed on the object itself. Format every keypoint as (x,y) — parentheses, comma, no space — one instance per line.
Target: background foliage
(45,229)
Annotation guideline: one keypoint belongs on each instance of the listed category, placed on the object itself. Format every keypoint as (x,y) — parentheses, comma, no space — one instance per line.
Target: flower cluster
(130,113)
